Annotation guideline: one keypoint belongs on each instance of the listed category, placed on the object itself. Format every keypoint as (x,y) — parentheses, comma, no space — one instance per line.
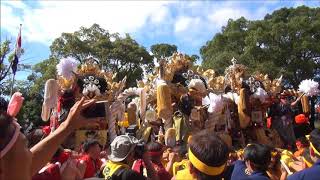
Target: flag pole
(13,79)
(13,72)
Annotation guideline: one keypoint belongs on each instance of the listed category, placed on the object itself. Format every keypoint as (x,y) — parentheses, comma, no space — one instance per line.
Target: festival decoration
(66,67)
(215,103)
(261,94)
(164,107)
(309,87)
(15,104)
(51,90)
(234,75)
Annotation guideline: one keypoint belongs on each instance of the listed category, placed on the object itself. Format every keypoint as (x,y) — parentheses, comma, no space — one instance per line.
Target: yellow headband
(314,149)
(209,170)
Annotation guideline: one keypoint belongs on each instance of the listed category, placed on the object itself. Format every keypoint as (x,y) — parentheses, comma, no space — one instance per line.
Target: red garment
(46,130)
(51,173)
(269,122)
(63,157)
(92,166)
(160,170)
(301,119)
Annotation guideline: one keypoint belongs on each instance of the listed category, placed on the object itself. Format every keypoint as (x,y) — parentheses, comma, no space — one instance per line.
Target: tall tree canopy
(163,50)
(284,42)
(118,54)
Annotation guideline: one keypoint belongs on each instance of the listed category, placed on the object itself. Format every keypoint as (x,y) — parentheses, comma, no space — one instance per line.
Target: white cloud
(10,21)
(48,20)
(190,23)
(182,24)
(220,17)
(160,15)
(16,4)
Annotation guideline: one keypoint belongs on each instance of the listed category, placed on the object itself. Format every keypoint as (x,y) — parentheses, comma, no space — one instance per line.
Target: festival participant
(155,150)
(91,158)
(177,159)
(121,158)
(301,143)
(282,119)
(62,166)
(256,161)
(13,144)
(313,172)
(274,169)
(208,156)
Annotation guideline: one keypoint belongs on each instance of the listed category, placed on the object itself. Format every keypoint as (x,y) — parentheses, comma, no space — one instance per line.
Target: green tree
(118,54)
(32,104)
(42,71)
(6,61)
(163,50)
(284,42)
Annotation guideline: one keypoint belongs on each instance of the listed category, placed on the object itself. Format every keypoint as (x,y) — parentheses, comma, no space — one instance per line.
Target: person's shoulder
(309,174)
(239,163)
(130,174)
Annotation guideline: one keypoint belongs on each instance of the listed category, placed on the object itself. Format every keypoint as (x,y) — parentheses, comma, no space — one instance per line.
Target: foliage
(284,42)
(32,104)
(115,53)
(163,50)
(6,58)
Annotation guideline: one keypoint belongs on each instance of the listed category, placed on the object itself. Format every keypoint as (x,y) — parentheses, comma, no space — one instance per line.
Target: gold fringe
(244,119)
(164,107)
(305,104)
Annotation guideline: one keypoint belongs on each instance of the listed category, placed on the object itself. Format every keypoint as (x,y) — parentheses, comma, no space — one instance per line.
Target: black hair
(5,119)
(68,98)
(259,155)
(209,149)
(90,143)
(315,140)
(181,150)
(304,141)
(154,146)
(227,89)
(56,155)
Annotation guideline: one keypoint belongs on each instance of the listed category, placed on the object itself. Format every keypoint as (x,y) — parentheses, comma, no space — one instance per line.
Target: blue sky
(187,24)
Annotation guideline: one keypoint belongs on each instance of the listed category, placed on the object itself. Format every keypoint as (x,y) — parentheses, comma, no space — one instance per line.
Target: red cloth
(301,119)
(63,157)
(160,170)
(46,130)
(269,122)
(51,173)
(92,166)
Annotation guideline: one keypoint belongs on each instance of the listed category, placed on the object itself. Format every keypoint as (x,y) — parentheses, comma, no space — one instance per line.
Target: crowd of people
(204,156)
(184,125)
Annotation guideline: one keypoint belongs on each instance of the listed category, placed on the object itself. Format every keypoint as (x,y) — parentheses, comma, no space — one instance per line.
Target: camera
(139,149)
(132,130)
(95,110)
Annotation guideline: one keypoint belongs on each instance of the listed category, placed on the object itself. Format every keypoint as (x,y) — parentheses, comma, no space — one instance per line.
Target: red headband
(155,153)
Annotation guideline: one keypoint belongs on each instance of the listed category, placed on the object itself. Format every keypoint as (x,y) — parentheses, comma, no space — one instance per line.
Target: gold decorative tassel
(131,110)
(164,107)
(244,119)
(305,104)
(170,137)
